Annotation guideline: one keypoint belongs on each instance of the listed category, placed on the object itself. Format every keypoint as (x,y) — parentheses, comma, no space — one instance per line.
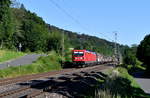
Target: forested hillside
(18,25)
(82,41)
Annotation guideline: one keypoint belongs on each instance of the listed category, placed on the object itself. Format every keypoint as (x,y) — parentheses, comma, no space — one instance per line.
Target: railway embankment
(66,83)
(90,82)
(120,84)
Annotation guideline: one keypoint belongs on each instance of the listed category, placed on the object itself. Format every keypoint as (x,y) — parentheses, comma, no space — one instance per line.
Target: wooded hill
(83,41)
(25,27)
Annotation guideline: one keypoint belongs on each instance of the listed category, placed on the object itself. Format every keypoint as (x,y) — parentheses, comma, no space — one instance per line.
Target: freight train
(84,58)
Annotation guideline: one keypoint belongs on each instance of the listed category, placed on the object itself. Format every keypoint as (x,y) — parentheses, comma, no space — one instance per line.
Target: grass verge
(43,64)
(6,55)
(119,84)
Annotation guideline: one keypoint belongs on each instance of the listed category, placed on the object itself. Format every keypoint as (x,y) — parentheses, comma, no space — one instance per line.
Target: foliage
(130,61)
(130,55)
(121,84)
(105,94)
(6,23)
(90,43)
(118,84)
(43,64)
(54,42)
(143,51)
(124,74)
(35,35)
(81,41)
(6,55)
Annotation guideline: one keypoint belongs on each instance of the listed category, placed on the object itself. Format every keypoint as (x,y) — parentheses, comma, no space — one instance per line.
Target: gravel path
(27,59)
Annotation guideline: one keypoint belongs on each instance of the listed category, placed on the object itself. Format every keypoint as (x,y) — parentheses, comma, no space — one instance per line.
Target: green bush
(8,55)
(43,64)
(124,74)
(120,84)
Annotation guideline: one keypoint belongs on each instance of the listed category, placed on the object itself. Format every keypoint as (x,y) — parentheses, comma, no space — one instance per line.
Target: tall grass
(43,64)
(124,74)
(105,94)
(8,55)
(120,84)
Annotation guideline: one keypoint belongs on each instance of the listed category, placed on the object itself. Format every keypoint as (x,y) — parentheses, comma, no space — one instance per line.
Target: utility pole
(117,53)
(63,48)
(115,43)
(115,47)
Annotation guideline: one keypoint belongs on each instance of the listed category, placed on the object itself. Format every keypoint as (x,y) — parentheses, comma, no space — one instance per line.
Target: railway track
(27,91)
(31,77)
(34,89)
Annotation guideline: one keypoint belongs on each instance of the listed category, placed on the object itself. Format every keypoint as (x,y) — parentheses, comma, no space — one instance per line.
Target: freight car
(86,58)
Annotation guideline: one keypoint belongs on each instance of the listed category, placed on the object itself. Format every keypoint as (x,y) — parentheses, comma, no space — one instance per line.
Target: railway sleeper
(38,92)
(13,91)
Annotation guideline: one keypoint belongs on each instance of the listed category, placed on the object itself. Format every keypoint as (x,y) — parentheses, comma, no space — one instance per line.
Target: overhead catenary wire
(106,36)
(70,16)
(74,19)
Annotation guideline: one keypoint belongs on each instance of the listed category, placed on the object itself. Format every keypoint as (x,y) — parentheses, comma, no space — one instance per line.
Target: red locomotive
(85,58)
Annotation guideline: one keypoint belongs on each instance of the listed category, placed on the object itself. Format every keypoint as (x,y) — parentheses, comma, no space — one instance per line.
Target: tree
(35,33)
(22,7)
(15,4)
(129,56)
(143,51)
(54,42)
(6,24)
(130,60)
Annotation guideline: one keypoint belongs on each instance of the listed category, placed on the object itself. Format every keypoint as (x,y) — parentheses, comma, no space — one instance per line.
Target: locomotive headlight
(80,58)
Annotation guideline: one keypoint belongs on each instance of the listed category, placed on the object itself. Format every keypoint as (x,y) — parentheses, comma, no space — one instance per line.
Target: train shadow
(75,85)
(79,85)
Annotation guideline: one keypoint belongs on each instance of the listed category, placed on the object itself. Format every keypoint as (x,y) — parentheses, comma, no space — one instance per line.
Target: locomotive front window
(78,54)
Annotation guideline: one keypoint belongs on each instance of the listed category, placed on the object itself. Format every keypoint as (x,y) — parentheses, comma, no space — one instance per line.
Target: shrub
(43,64)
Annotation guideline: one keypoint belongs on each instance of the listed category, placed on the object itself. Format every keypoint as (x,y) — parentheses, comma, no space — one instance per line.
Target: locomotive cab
(78,57)
(83,57)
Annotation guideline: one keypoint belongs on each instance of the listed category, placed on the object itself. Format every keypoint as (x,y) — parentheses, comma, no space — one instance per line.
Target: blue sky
(129,18)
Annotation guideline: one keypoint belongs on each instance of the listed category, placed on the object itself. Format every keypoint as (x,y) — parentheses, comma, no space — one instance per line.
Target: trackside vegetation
(118,84)
(19,25)
(143,53)
(6,55)
(43,64)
